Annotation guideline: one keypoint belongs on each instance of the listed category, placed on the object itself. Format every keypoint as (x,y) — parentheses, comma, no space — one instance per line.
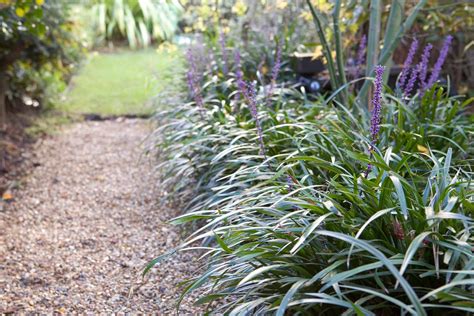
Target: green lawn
(121,83)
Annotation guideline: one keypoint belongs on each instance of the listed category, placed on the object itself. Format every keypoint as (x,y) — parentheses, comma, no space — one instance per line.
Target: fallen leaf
(422,149)
(7,196)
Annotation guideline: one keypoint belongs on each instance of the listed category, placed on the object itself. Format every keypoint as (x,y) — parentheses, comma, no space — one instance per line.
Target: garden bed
(354,201)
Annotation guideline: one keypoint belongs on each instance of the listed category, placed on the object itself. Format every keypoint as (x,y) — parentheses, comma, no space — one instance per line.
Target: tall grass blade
(393,25)
(379,255)
(326,48)
(389,48)
(339,51)
(374,36)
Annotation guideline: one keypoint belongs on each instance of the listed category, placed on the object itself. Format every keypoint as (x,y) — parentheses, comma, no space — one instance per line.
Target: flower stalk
(194,82)
(239,76)
(423,65)
(407,64)
(376,115)
(360,60)
(223,43)
(251,96)
(439,63)
(275,72)
(377,104)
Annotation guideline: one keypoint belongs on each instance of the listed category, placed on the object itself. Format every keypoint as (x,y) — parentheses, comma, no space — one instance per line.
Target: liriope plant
(339,214)
(307,231)
(344,246)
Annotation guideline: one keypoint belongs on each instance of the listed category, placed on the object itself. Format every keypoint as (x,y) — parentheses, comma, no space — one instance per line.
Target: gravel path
(79,232)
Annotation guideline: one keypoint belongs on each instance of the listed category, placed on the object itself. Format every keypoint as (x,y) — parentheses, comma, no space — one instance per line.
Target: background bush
(139,22)
(39,52)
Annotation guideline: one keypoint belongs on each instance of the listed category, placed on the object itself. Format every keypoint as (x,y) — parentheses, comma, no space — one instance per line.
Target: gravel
(78,233)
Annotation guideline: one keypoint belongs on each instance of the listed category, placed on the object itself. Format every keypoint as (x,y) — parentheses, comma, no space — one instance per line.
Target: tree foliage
(37,50)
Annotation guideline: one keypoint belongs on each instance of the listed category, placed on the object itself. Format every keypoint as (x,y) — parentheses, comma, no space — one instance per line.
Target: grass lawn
(120,83)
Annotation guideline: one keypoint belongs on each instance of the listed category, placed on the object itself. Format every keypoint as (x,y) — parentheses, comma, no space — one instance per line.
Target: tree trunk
(7,60)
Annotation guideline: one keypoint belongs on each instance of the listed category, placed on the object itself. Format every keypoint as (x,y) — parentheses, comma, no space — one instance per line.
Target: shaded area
(14,152)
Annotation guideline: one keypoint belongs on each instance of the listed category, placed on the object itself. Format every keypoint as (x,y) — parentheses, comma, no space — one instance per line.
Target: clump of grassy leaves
(305,229)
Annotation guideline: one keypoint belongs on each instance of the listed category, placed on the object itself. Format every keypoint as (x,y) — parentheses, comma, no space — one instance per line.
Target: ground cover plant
(334,204)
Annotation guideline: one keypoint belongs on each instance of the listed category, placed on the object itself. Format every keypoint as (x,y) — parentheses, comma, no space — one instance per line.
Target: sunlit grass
(121,83)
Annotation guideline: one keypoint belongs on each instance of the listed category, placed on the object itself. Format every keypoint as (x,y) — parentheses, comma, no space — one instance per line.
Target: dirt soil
(77,235)
(15,154)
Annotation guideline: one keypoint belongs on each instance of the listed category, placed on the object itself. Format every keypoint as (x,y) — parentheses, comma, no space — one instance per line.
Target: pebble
(81,229)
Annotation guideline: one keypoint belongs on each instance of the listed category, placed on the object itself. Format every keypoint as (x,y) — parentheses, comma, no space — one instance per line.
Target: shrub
(38,52)
(138,22)
(328,219)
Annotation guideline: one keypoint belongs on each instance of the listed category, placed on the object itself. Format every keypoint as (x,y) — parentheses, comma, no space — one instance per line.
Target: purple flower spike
(439,63)
(190,81)
(190,74)
(275,71)
(359,60)
(237,58)
(223,44)
(377,104)
(239,76)
(376,117)
(369,167)
(411,82)
(277,65)
(361,54)
(194,81)
(289,182)
(423,65)
(251,96)
(211,61)
(407,63)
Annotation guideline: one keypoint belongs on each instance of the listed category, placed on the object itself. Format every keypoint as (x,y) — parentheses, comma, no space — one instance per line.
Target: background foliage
(139,22)
(39,51)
